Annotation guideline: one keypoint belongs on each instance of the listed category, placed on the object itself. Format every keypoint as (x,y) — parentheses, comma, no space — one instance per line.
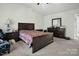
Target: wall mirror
(56,22)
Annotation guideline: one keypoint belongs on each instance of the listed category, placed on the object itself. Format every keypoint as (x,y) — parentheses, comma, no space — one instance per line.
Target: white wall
(19,13)
(68,19)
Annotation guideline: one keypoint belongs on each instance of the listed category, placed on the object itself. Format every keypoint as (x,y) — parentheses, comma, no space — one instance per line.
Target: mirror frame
(57,19)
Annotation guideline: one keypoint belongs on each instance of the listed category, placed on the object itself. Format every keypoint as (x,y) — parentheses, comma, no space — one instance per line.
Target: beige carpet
(60,47)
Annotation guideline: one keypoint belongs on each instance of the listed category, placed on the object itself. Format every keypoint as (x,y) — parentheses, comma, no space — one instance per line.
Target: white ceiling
(51,8)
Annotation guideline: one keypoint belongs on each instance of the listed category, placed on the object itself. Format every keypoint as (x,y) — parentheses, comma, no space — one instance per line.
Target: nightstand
(11,35)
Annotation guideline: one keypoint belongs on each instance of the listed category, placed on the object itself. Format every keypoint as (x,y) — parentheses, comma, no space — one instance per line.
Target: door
(77,27)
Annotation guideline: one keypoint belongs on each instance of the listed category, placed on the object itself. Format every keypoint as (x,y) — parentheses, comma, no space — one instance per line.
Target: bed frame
(38,42)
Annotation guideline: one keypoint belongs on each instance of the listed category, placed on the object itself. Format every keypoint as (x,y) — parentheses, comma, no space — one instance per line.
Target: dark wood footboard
(41,41)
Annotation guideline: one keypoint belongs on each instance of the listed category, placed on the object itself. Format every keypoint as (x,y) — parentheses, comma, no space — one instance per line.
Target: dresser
(57,31)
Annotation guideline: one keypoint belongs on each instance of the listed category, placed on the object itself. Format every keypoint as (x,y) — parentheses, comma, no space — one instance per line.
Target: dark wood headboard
(26,26)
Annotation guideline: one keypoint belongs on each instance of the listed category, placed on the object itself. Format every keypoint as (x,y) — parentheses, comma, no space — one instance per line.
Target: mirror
(56,22)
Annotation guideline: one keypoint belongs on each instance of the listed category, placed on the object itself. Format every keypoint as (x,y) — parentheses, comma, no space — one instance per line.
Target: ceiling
(51,8)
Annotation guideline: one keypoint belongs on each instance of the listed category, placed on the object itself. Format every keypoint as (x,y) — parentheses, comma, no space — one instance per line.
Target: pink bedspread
(26,38)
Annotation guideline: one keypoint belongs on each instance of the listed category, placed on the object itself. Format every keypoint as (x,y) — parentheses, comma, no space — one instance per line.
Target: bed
(39,39)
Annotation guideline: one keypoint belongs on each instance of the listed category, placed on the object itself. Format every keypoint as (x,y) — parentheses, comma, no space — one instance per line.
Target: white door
(77,23)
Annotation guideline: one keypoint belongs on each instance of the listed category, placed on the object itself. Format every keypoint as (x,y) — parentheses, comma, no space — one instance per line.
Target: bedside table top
(13,32)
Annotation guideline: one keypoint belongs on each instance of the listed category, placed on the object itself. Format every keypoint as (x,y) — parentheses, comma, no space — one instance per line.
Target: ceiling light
(40,3)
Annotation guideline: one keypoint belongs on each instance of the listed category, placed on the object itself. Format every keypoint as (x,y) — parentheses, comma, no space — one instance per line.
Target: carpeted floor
(60,47)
